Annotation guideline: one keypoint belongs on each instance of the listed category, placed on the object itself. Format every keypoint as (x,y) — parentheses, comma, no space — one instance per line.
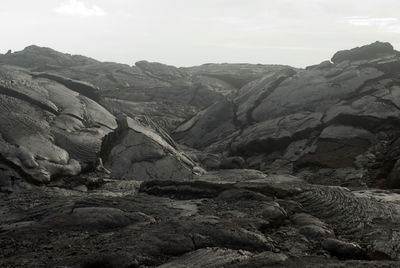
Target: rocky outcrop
(52,127)
(211,125)
(167,94)
(330,123)
(136,151)
(47,129)
(42,58)
(372,51)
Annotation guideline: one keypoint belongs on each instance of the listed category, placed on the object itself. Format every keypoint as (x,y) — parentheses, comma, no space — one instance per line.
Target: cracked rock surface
(219,165)
(214,220)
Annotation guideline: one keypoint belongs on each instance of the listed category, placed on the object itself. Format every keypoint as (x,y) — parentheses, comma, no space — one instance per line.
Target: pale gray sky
(192,32)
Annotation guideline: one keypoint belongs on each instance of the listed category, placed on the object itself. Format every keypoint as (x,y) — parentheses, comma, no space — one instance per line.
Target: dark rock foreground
(219,165)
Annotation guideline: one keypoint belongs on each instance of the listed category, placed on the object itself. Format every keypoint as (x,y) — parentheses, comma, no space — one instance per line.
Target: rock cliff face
(219,165)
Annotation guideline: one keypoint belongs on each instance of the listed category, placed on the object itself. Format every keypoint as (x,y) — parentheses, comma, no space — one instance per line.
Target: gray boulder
(135,151)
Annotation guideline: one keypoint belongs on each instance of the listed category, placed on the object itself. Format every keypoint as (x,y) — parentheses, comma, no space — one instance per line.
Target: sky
(192,32)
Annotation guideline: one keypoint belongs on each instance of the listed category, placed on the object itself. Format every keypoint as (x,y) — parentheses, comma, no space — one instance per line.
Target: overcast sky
(192,32)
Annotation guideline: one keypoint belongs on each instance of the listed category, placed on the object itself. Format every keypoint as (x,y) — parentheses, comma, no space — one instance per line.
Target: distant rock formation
(167,94)
(367,52)
(42,58)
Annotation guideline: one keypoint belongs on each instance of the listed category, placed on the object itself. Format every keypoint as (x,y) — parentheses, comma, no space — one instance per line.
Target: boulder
(273,213)
(135,151)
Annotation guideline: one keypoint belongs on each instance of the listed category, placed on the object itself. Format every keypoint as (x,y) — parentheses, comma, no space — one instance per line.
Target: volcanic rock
(116,190)
(375,50)
(48,130)
(136,151)
(325,118)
